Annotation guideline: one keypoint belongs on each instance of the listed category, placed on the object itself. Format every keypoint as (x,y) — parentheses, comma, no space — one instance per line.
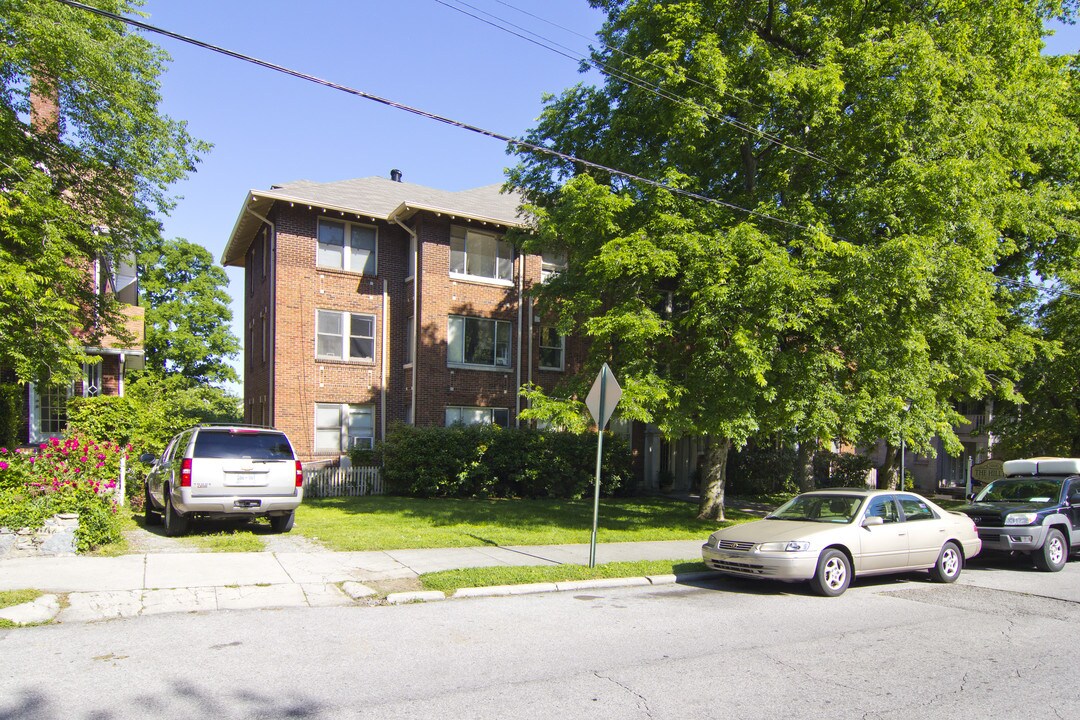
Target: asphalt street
(1000,643)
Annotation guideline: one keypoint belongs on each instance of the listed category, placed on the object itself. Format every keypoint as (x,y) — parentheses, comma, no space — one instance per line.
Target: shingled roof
(373,198)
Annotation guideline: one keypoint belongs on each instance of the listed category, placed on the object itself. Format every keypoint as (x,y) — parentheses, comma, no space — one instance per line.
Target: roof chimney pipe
(395,175)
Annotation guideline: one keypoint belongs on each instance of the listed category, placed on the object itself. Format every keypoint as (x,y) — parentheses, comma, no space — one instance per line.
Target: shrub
(63,476)
(761,470)
(489,461)
(840,469)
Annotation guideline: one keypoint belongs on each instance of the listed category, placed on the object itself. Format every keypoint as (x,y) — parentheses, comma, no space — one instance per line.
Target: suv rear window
(242,444)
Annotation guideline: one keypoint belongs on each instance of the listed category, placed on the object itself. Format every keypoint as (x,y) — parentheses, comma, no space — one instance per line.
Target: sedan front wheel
(833,573)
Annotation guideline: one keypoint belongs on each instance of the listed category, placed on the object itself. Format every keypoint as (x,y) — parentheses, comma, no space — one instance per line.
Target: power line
(627,77)
(433,116)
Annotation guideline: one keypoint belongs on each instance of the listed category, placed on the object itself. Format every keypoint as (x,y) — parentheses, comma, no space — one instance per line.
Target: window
(551,264)
(552,348)
(344,336)
(477,416)
(340,426)
(264,338)
(478,341)
(915,509)
(410,348)
(884,508)
(480,255)
(358,254)
(411,270)
(48,407)
(92,379)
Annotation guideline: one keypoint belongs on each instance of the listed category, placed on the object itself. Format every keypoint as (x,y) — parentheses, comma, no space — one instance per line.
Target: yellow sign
(988,471)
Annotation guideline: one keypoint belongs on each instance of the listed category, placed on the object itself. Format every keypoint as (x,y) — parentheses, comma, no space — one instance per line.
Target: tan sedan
(830,536)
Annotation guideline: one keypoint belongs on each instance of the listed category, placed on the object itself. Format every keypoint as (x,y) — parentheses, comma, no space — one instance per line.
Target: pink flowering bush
(63,475)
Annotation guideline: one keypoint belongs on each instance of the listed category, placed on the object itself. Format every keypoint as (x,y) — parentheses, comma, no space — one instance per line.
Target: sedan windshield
(818,508)
(1028,490)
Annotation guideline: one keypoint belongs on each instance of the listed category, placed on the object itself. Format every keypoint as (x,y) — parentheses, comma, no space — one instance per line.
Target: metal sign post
(602,399)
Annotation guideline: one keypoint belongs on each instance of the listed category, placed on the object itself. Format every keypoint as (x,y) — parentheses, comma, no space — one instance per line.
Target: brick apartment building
(372,301)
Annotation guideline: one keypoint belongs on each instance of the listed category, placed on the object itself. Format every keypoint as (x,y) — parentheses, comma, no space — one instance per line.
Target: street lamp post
(903,447)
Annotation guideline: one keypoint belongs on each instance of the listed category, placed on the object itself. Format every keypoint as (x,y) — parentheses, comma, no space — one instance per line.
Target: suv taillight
(299,474)
(185,472)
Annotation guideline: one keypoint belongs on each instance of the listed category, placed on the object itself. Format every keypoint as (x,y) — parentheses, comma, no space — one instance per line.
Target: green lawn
(450,580)
(396,523)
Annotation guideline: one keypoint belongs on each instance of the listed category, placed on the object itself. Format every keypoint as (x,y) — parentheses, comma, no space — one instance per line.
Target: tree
(79,182)
(852,185)
(187,314)
(1047,422)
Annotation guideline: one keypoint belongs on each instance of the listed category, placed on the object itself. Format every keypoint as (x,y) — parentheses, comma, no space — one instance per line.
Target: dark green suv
(1034,509)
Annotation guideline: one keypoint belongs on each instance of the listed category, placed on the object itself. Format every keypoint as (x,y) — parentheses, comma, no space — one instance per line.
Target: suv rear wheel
(282,523)
(175,523)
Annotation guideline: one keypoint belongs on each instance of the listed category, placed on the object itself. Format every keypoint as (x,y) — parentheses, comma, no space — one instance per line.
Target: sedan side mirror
(873,520)
(146,458)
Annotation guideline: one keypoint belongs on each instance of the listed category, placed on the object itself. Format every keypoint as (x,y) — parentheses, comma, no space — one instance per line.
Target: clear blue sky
(269,128)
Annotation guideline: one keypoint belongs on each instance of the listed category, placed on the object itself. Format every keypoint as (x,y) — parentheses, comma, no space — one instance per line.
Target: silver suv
(224,471)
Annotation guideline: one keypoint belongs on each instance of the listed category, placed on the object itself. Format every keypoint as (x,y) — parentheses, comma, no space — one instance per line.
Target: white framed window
(344,336)
(48,411)
(552,348)
(410,271)
(347,246)
(410,348)
(456,415)
(340,426)
(481,255)
(551,264)
(478,341)
(92,379)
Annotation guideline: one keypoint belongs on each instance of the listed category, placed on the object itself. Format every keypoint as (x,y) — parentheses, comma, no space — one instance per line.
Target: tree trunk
(889,468)
(713,477)
(804,465)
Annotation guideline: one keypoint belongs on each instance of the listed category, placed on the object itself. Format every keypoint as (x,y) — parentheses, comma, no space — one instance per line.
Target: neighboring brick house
(46,406)
(372,301)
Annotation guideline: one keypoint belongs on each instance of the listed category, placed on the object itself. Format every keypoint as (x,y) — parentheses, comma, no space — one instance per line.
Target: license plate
(242,479)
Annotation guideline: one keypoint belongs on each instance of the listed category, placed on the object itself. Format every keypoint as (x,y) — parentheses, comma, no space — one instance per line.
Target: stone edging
(55,537)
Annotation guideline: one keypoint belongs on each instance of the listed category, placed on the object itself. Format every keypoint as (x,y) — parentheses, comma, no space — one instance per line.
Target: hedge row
(489,461)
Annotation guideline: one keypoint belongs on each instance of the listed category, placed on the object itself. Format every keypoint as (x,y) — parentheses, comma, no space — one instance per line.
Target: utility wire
(433,116)
(626,77)
(620,51)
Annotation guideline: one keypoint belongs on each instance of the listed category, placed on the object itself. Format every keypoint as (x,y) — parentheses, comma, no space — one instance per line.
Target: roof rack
(237,425)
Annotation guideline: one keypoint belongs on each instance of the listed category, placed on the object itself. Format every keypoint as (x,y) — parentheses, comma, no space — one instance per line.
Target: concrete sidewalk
(98,588)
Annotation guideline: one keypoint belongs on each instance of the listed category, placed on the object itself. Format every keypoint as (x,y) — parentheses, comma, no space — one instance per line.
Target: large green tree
(187,313)
(854,183)
(1047,423)
(79,184)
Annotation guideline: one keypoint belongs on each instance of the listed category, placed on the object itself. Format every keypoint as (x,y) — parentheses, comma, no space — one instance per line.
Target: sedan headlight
(790,546)
(1021,518)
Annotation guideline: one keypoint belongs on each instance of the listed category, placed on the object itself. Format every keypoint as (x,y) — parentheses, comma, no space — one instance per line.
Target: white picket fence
(343,482)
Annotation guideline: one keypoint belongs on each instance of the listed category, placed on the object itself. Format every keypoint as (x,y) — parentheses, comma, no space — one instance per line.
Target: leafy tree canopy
(84,184)
(883,179)
(1047,423)
(187,313)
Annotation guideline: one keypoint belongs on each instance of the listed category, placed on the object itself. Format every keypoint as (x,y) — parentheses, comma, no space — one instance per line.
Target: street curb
(43,609)
(402,598)
(572,585)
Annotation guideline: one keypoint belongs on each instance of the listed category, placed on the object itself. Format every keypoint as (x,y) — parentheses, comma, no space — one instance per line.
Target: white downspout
(416,313)
(273,312)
